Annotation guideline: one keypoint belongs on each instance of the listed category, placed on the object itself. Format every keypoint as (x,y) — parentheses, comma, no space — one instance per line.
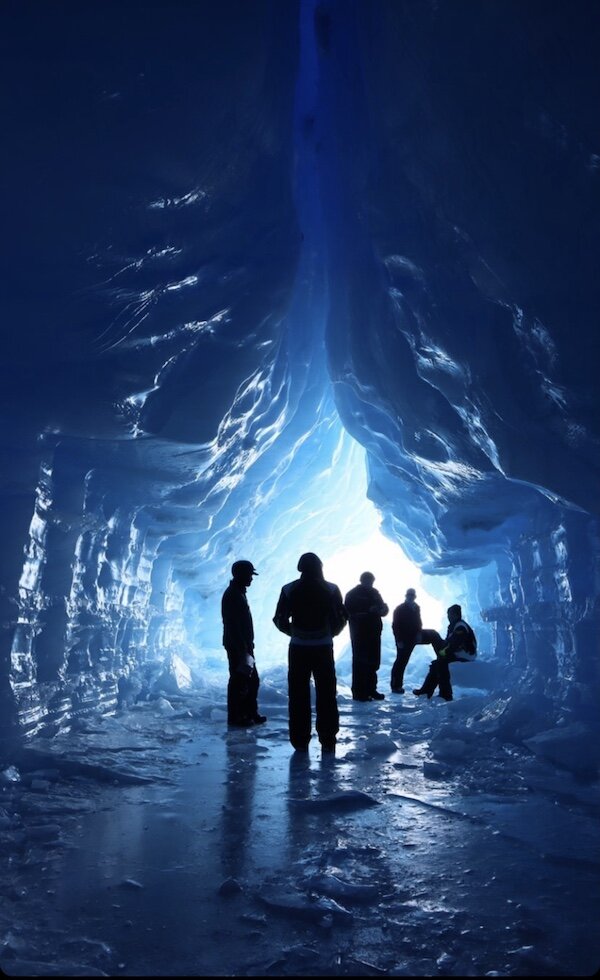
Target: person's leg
(431,681)
(237,692)
(400,664)
(443,665)
(252,698)
(328,719)
(433,637)
(299,696)
(360,669)
(237,698)
(373,665)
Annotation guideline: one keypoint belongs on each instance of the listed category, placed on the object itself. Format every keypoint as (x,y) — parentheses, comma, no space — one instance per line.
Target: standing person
(460,644)
(311,612)
(365,607)
(407,627)
(238,640)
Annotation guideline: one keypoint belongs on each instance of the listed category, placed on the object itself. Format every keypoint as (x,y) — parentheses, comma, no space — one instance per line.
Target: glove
(443,652)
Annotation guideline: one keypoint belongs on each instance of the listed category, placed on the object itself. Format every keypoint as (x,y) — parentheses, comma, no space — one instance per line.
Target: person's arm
(239,647)
(398,626)
(282,617)
(419,622)
(380,607)
(338,616)
(456,641)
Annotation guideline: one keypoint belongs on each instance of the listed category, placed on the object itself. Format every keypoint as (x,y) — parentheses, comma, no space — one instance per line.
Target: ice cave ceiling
(241,238)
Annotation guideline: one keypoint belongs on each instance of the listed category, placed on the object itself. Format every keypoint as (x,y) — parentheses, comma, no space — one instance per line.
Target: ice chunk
(379,744)
(10,775)
(345,800)
(165,706)
(330,884)
(574,747)
(298,905)
(449,748)
(433,770)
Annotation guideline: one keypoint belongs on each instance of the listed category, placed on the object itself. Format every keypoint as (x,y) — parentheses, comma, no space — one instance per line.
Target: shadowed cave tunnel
(240,244)
(278,272)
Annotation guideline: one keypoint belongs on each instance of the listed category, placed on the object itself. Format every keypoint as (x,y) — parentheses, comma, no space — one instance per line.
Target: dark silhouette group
(311,612)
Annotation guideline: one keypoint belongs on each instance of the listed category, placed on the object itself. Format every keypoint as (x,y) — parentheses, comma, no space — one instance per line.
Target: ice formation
(275,272)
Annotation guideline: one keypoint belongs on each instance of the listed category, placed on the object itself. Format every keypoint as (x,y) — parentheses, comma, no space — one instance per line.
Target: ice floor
(425,847)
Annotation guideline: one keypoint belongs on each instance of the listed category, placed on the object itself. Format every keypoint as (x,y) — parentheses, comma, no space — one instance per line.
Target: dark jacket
(365,607)
(311,611)
(406,622)
(461,641)
(238,631)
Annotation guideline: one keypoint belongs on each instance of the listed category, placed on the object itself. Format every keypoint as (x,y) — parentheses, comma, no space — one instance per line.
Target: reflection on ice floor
(423,848)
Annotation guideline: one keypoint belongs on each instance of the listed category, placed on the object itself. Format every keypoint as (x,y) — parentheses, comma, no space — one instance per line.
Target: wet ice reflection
(240,857)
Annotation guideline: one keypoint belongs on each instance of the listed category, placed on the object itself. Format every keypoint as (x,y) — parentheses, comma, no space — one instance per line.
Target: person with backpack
(460,644)
(311,612)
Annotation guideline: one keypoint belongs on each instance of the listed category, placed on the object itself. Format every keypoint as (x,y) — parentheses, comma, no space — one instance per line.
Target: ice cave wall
(229,228)
(464,347)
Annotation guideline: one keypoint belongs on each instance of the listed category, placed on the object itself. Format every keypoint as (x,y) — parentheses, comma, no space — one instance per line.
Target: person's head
(367,578)
(411,595)
(454,613)
(243,572)
(310,565)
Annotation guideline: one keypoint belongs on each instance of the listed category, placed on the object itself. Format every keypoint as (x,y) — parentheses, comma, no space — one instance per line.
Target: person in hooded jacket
(238,640)
(365,607)
(311,612)
(460,644)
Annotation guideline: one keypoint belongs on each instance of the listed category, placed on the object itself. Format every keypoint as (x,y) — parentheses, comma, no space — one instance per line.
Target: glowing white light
(394,574)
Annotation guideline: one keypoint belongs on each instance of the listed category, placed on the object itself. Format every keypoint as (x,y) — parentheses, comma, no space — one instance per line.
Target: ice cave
(287,276)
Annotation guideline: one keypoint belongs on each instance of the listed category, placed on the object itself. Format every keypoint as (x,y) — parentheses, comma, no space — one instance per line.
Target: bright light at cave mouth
(394,574)
(335,518)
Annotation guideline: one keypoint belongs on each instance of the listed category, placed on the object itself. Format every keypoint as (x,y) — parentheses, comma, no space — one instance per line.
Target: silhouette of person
(238,640)
(460,644)
(408,632)
(364,608)
(311,612)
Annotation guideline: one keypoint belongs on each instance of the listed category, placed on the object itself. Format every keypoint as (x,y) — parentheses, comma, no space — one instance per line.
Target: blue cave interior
(233,258)
(284,276)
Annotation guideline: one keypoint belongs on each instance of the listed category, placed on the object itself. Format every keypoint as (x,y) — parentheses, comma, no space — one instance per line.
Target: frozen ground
(427,846)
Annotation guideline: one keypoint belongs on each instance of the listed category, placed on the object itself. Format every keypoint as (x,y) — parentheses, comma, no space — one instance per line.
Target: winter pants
(366,659)
(404,651)
(242,694)
(304,662)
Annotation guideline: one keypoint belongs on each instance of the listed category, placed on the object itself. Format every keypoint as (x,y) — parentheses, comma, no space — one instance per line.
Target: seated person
(460,644)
